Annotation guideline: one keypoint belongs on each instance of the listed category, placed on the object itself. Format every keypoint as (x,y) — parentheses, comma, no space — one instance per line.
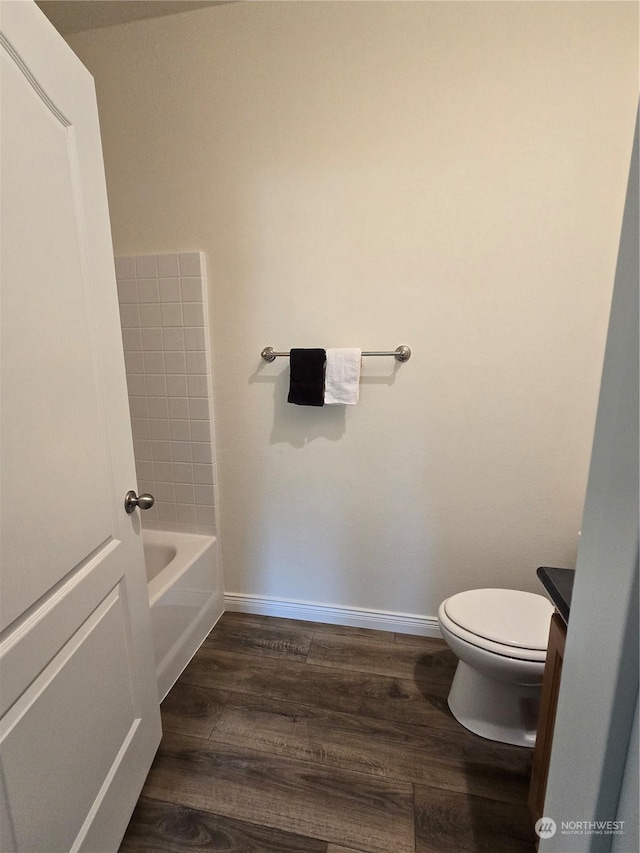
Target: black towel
(306,386)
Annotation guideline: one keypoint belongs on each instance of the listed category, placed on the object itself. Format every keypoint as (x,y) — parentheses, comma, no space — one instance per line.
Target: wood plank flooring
(284,736)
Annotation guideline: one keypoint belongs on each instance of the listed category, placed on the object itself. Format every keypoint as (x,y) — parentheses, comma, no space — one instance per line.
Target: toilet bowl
(500,638)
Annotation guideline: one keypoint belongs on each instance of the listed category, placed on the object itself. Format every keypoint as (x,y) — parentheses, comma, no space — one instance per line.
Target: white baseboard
(355,617)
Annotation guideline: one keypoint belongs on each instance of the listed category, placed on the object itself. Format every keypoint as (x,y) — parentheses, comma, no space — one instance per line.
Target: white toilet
(500,637)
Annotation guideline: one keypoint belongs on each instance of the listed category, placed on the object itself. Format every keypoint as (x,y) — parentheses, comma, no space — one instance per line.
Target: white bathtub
(185,596)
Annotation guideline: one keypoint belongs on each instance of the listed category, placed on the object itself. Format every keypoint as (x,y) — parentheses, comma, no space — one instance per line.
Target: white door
(79,713)
(594,729)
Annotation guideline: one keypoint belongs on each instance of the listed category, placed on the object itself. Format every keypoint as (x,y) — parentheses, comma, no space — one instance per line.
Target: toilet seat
(506,622)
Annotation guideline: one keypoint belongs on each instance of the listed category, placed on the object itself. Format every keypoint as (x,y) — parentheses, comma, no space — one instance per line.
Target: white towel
(342,376)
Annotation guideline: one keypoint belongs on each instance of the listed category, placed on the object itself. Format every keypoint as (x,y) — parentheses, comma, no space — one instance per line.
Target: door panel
(61,480)
(80,720)
(30,649)
(93,663)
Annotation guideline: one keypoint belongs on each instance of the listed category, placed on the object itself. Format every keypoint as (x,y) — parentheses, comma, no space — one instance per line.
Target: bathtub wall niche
(163,306)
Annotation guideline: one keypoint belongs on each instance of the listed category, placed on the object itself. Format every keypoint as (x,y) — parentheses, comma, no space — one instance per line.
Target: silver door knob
(131,501)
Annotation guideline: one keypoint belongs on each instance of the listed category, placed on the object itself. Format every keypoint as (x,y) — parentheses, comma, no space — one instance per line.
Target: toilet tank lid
(507,616)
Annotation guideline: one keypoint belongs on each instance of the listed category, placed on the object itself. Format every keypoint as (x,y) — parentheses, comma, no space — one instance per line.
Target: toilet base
(507,713)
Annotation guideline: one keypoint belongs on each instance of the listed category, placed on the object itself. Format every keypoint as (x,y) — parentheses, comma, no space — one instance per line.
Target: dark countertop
(559,585)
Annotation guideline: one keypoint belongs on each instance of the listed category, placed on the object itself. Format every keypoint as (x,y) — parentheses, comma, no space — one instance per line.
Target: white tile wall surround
(163,306)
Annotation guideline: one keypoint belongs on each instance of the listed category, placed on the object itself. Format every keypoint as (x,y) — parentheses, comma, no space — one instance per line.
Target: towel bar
(400,354)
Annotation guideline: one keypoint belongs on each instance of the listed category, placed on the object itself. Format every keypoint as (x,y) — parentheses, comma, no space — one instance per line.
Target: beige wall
(449,176)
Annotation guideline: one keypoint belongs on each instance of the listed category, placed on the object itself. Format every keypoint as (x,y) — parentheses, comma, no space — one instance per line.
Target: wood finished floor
(298,737)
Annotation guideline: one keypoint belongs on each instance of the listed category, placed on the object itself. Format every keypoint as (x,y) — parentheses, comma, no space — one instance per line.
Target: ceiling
(74,16)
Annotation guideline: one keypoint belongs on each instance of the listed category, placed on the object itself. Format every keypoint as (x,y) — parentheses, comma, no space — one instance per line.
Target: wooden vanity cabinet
(547,715)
